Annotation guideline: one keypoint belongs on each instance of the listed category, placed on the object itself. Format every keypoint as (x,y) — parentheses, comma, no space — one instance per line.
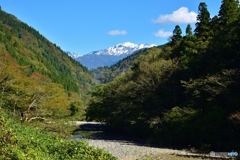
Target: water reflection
(84,134)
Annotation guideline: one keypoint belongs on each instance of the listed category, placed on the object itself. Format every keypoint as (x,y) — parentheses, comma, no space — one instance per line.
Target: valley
(168,101)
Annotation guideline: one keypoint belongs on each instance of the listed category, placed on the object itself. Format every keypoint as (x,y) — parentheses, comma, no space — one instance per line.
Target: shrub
(20,142)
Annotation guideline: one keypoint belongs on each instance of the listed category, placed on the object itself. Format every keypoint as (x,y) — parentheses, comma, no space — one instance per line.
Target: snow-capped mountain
(122,48)
(109,56)
(74,55)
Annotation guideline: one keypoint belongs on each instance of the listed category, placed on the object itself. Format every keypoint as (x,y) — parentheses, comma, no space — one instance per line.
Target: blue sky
(82,26)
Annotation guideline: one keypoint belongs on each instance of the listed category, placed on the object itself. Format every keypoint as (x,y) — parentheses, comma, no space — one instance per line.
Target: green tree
(227,36)
(176,40)
(214,25)
(189,30)
(98,106)
(187,49)
(229,12)
(177,35)
(178,120)
(202,26)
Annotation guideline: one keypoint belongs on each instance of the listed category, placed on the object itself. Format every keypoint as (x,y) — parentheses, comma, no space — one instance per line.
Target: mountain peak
(128,44)
(109,56)
(73,55)
(122,48)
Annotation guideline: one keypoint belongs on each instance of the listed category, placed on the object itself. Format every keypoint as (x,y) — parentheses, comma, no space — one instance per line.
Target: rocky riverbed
(129,151)
(128,148)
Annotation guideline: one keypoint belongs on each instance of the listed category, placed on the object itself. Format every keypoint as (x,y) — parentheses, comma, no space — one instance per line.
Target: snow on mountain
(122,48)
(109,56)
(74,55)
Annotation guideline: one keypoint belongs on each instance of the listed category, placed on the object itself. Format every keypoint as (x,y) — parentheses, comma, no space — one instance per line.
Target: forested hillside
(37,79)
(41,88)
(184,94)
(107,74)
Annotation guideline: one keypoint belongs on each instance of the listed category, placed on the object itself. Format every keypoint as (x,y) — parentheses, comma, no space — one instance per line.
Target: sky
(83,26)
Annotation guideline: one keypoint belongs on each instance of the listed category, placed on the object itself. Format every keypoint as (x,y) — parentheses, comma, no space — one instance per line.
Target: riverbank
(129,151)
(130,148)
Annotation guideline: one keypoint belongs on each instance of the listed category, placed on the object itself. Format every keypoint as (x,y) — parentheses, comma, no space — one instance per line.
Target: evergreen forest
(184,93)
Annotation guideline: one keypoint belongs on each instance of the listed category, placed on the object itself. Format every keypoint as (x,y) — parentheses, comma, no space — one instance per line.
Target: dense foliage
(37,79)
(20,142)
(186,93)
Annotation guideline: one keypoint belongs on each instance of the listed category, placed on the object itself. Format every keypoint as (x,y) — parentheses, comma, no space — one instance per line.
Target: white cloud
(163,34)
(182,15)
(117,32)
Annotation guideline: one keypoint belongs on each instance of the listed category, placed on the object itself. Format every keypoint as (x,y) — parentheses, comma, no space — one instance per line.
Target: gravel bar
(125,148)
(128,151)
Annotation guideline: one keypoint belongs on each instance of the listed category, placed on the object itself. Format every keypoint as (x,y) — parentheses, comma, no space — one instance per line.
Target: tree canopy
(186,93)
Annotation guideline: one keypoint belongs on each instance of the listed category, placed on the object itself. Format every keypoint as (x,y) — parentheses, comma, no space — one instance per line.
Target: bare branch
(33,118)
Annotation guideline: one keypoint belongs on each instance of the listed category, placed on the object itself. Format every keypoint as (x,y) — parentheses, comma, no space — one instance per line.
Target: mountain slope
(107,74)
(109,56)
(36,69)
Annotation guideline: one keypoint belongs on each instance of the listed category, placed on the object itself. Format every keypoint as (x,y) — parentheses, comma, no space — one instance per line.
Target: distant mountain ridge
(109,56)
(107,74)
